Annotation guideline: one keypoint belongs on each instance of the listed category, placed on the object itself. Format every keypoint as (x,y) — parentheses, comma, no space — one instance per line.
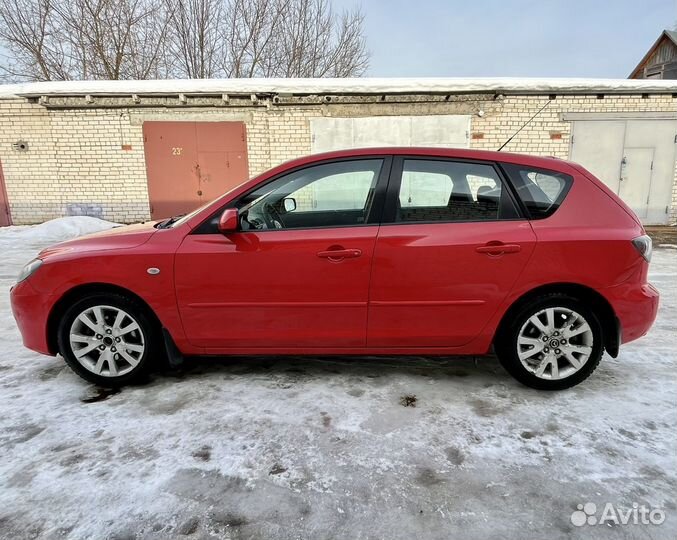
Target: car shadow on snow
(373,367)
(469,373)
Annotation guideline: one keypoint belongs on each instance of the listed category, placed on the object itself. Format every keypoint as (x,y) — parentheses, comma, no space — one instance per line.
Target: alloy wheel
(554,343)
(107,341)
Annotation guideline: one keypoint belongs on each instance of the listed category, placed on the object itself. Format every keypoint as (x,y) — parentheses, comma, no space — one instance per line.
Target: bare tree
(36,44)
(251,36)
(314,42)
(194,38)
(115,39)
(293,38)
(141,39)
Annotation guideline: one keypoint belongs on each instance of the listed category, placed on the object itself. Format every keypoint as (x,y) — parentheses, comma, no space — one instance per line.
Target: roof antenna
(525,125)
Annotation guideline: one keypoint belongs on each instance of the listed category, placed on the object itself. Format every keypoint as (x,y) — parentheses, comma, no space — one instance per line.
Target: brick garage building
(127,151)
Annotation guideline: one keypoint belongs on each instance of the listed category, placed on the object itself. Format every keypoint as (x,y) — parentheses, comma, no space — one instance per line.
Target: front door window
(335,194)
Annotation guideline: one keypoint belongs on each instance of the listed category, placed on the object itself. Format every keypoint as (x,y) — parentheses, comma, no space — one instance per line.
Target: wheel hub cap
(554,343)
(107,341)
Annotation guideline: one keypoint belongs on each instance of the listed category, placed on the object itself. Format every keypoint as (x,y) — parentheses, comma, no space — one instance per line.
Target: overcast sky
(530,38)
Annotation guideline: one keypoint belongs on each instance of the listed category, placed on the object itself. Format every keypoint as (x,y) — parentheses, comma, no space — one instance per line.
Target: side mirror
(229,221)
(289,204)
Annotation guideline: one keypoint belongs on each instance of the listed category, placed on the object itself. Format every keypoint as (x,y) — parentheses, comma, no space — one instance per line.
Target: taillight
(644,245)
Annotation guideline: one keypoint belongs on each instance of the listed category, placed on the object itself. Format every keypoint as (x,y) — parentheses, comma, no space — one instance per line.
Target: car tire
(108,339)
(551,356)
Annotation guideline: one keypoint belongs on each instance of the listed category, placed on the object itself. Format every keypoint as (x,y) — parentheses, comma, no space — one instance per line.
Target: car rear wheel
(552,343)
(107,339)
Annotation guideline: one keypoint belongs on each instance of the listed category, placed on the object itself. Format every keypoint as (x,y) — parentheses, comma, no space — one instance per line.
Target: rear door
(449,251)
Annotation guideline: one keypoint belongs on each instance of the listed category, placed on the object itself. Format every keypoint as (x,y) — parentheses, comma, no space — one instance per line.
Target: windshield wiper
(168,222)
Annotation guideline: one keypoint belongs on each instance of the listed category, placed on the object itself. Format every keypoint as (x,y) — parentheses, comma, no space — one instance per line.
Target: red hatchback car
(388,251)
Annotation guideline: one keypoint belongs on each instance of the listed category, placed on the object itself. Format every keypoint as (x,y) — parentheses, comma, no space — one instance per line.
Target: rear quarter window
(542,191)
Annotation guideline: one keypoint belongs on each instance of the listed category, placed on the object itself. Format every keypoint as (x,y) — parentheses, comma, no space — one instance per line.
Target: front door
(297,275)
(452,251)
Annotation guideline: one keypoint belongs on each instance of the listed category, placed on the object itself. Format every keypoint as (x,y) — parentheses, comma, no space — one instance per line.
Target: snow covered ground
(326,448)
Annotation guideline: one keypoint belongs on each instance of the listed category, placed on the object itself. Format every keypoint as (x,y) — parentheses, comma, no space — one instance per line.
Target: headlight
(28,270)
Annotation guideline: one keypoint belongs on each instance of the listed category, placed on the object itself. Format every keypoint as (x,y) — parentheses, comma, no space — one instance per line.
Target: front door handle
(498,248)
(339,254)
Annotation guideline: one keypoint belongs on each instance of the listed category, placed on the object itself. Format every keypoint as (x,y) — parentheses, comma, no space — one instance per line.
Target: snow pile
(55,230)
(361,85)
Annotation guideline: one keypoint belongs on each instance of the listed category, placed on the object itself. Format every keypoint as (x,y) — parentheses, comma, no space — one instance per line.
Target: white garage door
(634,157)
(371,131)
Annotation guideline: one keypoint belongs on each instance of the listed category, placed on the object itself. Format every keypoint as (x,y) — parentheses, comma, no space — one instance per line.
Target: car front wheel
(552,343)
(107,339)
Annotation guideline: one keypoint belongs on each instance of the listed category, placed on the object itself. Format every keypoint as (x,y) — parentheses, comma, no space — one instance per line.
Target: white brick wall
(76,159)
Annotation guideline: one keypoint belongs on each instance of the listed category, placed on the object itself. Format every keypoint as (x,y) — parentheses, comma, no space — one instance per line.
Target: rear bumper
(635,306)
(31,310)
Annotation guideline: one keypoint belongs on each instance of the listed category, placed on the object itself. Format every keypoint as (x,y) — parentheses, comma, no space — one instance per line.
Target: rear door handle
(498,248)
(339,254)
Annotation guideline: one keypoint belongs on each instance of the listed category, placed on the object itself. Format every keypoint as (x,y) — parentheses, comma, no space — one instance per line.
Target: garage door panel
(451,130)
(5,216)
(171,159)
(601,146)
(329,134)
(190,163)
(220,136)
(220,172)
(636,179)
(598,146)
(660,135)
(380,131)
(237,171)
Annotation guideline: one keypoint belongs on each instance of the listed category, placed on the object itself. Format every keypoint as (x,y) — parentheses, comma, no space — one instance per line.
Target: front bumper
(31,311)
(636,306)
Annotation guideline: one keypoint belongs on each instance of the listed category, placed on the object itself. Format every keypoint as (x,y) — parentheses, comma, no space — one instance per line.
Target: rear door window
(541,191)
(444,190)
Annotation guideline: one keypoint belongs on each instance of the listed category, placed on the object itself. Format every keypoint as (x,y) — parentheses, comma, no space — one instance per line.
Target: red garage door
(191,163)
(5,218)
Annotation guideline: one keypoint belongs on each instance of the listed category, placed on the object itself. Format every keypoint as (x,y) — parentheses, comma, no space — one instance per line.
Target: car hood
(127,236)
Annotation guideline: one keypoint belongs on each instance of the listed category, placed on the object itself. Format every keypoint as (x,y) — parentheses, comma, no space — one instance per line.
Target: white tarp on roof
(511,85)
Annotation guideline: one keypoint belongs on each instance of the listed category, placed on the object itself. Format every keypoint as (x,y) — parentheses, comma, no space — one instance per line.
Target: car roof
(552,163)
